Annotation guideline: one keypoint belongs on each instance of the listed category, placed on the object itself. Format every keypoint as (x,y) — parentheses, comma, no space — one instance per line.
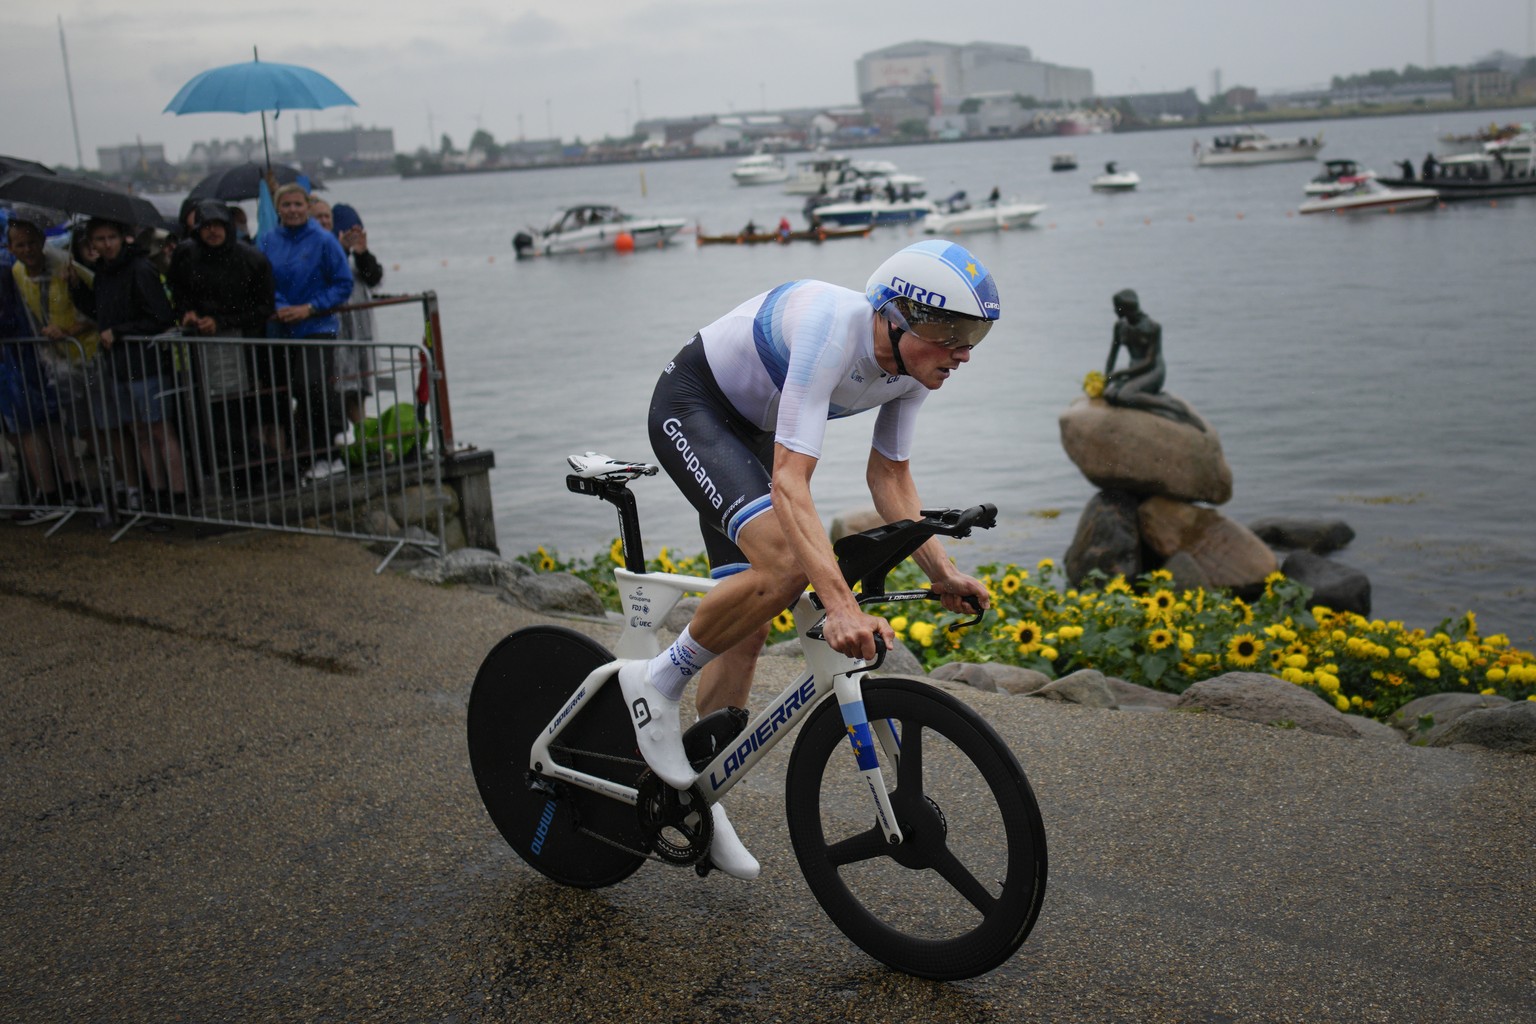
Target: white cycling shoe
(658,728)
(726,851)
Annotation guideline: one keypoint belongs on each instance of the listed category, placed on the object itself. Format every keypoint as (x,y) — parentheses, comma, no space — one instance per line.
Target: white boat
(824,171)
(872,212)
(760,169)
(595,227)
(957,217)
(1337,176)
(1113,180)
(1251,146)
(1367,195)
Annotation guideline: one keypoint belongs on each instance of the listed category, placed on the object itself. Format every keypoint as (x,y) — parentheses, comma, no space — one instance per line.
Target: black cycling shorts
(721,462)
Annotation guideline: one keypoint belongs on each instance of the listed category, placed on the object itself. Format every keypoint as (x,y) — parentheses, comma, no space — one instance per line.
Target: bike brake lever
(975,603)
(816,633)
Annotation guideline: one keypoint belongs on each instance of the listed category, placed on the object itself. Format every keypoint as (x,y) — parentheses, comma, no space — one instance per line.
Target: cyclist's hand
(852,633)
(953,590)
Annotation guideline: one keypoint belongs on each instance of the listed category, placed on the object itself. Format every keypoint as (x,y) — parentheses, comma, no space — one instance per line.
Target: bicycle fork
(850,701)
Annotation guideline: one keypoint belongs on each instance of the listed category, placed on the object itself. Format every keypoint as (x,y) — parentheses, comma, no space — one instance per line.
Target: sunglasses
(950,330)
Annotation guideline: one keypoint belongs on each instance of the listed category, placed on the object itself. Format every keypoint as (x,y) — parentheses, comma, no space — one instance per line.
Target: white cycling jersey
(792,358)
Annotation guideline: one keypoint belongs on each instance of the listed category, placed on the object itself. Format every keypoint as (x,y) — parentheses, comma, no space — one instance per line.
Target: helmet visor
(941,327)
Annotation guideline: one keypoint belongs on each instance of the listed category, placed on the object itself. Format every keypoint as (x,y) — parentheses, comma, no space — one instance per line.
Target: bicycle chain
(615,758)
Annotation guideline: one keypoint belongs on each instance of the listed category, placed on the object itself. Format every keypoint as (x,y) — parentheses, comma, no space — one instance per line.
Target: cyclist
(737,421)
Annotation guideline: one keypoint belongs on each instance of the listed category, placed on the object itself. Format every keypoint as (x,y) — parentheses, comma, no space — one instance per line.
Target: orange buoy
(624,242)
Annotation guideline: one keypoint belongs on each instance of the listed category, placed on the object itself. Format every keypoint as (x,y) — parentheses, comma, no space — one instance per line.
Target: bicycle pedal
(704,739)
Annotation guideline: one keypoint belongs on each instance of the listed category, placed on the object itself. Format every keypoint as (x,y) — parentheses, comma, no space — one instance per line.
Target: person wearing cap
(352,365)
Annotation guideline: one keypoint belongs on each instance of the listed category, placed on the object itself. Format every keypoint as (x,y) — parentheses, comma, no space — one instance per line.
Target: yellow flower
(1027,636)
(616,551)
(922,632)
(784,622)
(1044,564)
(1049,653)
(1117,586)
(1243,650)
(1010,584)
(1159,638)
(1341,702)
(1186,642)
(1495,675)
(1093,384)
(546,563)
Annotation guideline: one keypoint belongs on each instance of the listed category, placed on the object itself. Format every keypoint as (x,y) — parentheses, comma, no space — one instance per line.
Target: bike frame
(647,598)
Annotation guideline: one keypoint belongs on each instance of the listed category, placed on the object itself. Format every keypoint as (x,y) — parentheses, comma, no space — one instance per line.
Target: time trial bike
(923,842)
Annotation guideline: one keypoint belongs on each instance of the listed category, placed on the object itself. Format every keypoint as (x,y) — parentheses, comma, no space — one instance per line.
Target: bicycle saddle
(596,466)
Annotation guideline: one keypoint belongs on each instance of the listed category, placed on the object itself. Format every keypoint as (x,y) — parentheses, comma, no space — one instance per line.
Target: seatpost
(617,494)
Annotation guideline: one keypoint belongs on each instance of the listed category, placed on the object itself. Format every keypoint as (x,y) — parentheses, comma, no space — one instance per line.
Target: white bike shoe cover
(726,851)
(658,728)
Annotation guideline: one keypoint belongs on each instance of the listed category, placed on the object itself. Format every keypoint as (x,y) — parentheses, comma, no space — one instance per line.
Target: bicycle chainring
(676,823)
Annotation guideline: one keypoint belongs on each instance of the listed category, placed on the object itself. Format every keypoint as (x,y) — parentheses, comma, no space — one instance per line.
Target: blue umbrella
(258,85)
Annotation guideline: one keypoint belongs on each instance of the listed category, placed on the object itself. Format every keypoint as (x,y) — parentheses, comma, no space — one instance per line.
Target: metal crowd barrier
(337,438)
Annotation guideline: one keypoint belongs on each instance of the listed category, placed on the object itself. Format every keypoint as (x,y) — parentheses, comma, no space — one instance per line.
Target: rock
(1370,729)
(681,614)
(1511,728)
(1333,584)
(1134,697)
(992,677)
(1124,449)
(1318,536)
(1107,538)
(1255,697)
(553,592)
(854,521)
(468,565)
(1228,553)
(1425,719)
(1186,572)
(784,649)
(1086,686)
(419,505)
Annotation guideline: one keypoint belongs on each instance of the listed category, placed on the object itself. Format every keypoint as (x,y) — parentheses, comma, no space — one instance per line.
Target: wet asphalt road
(236,789)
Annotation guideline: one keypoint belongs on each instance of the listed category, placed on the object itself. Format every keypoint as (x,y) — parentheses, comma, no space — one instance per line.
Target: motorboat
(820,173)
(1251,146)
(595,227)
(874,212)
(1114,180)
(1504,168)
(1337,176)
(1063,161)
(956,216)
(1369,195)
(760,169)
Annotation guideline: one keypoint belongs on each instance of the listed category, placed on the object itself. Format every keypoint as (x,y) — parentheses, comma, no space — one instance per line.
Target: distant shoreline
(1216,122)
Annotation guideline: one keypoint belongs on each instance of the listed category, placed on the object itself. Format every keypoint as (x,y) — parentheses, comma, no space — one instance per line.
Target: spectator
(309,269)
(352,365)
(128,302)
(70,366)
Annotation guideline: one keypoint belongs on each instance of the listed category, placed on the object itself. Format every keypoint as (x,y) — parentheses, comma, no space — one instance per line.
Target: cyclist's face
(929,362)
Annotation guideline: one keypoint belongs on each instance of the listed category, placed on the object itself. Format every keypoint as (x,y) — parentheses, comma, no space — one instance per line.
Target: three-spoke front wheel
(960,894)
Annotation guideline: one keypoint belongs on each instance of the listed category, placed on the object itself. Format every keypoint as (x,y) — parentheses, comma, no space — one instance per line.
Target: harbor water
(1376,370)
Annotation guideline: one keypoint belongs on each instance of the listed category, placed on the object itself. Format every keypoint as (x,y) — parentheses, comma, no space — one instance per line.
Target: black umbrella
(16,163)
(80,195)
(233,184)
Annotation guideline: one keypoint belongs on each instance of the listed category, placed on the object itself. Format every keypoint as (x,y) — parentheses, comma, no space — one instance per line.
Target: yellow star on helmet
(970,268)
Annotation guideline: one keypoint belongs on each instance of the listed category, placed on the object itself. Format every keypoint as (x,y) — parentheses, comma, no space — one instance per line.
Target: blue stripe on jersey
(771,348)
(748,512)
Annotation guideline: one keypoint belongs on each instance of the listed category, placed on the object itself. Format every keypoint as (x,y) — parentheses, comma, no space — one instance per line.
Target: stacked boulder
(1159,484)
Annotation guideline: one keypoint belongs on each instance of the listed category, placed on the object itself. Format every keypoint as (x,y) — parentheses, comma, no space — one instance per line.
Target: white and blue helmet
(936,290)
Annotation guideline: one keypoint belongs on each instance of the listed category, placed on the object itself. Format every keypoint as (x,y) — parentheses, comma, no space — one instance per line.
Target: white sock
(673,667)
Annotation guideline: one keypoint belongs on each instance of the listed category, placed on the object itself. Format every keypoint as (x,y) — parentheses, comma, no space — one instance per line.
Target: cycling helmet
(937,291)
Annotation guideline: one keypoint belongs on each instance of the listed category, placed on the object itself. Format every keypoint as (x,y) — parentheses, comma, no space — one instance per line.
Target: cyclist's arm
(895,496)
(848,629)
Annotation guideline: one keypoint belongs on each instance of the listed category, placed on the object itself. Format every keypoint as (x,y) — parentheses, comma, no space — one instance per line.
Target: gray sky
(589,67)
